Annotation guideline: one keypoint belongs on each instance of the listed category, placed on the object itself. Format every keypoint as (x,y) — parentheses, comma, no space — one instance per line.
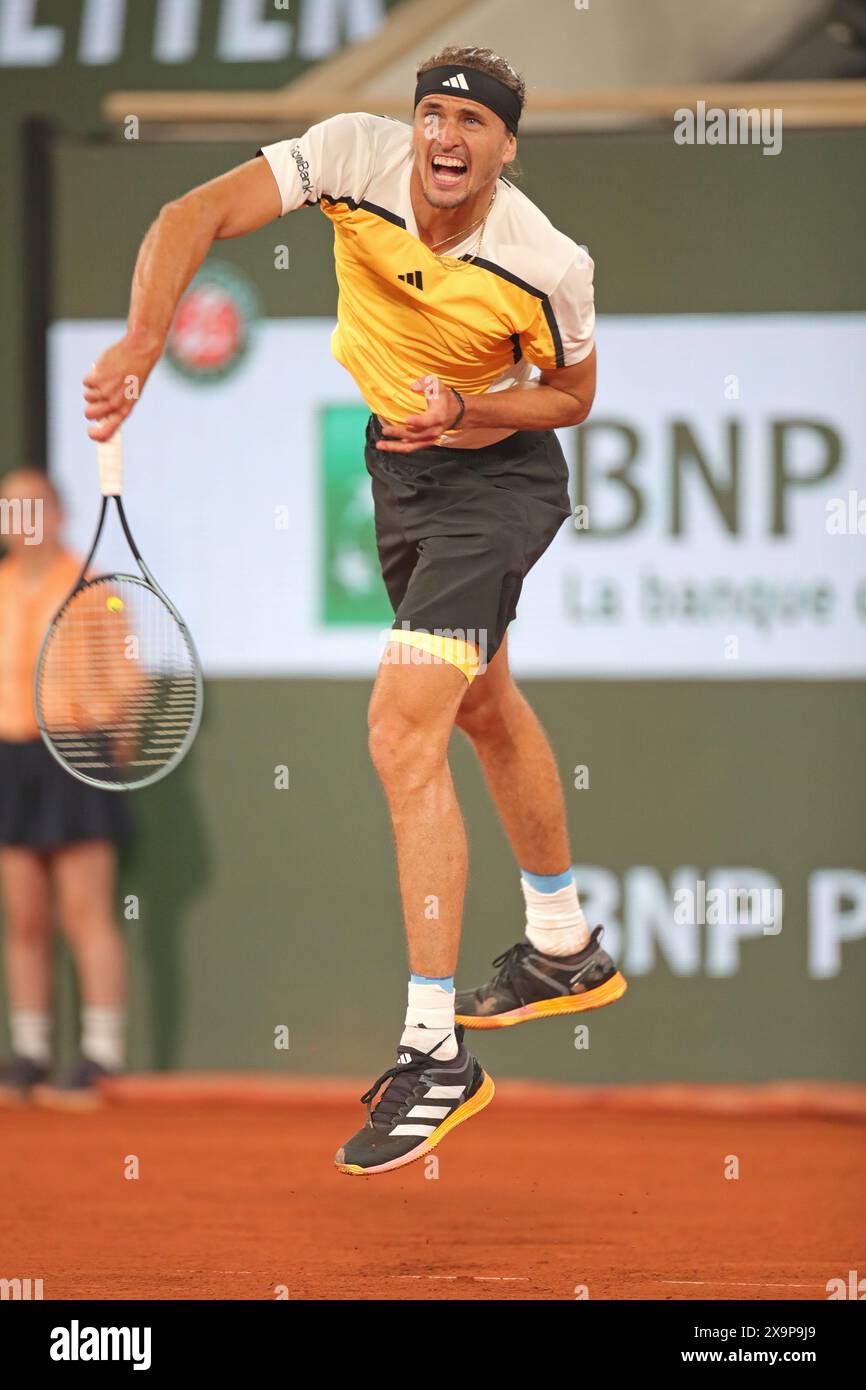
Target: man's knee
(484,718)
(404,749)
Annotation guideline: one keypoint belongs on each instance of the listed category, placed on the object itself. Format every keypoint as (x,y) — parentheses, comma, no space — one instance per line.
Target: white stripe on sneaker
(444,1092)
(428,1112)
(423,1131)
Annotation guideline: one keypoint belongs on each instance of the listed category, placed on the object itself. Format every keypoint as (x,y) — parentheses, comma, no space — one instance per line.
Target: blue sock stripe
(548,883)
(446,981)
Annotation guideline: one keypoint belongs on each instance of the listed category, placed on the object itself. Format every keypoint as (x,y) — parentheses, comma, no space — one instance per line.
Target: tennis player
(467,322)
(57,836)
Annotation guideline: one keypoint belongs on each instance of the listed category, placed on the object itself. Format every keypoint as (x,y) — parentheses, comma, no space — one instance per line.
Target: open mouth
(448,170)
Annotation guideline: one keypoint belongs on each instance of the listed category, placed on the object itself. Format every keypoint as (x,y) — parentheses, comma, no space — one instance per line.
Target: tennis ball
(114,604)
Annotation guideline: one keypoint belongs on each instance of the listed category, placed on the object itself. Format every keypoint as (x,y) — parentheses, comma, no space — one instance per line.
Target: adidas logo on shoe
(579,974)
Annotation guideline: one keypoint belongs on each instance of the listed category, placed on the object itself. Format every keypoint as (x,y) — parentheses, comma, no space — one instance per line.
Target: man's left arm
(559,340)
(558,398)
(561,396)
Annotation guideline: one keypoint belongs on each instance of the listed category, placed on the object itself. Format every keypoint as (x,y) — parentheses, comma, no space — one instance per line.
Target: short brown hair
(484,60)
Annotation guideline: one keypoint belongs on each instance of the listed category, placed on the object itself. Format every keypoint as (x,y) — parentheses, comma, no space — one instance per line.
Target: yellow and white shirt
(525,301)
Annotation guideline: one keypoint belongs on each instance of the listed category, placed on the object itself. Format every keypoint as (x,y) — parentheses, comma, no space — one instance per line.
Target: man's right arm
(175,246)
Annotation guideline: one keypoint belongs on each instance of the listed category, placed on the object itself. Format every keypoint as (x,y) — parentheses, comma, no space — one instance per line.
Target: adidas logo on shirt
(412,277)
(458,81)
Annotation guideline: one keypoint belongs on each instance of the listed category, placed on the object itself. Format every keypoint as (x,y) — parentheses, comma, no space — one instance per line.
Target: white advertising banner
(719,490)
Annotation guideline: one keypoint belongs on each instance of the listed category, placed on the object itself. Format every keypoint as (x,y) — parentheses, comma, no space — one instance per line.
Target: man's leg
(559,968)
(521,773)
(519,767)
(436,1083)
(411,717)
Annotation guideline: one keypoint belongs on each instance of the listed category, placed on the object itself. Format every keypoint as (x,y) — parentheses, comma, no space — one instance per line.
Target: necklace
(457,235)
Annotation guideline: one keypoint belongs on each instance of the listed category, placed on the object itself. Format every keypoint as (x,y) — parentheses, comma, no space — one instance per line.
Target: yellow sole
(483,1096)
(608,993)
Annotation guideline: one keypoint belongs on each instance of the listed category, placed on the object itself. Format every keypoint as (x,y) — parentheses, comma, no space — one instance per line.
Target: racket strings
(117,692)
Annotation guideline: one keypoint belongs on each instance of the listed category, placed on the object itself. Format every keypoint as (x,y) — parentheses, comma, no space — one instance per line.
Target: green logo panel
(352,591)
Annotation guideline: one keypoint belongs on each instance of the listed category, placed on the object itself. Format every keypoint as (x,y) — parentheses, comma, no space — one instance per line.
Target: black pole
(37,280)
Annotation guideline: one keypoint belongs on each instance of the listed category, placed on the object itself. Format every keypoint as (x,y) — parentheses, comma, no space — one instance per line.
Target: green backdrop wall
(262,907)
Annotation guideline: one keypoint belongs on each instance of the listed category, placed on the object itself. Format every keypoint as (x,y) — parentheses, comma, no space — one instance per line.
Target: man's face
(460,146)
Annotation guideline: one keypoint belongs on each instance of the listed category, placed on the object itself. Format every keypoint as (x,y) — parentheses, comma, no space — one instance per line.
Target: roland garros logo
(212,328)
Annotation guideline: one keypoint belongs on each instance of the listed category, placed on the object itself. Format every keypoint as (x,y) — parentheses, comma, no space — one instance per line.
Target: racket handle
(110,456)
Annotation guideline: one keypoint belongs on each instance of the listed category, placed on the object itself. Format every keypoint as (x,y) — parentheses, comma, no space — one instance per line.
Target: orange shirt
(25,614)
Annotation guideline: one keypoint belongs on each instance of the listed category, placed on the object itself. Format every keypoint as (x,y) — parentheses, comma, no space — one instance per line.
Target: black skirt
(44,807)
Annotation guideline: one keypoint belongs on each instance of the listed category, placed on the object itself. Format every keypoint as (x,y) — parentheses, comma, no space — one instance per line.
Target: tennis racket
(118,688)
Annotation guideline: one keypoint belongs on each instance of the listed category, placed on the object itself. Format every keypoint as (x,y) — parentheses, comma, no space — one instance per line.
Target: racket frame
(111,489)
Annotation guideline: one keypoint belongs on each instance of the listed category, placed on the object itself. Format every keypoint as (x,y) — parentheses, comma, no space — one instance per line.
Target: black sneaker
(423,1100)
(79,1089)
(530,984)
(18,1077)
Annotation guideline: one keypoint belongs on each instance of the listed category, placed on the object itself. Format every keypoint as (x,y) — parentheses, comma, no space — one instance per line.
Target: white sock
(31,1034)
(555,923)
(430,1020)
(103,1034)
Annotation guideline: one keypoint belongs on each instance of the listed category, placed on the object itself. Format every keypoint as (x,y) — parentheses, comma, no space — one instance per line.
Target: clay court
(360,356)
(622,1192)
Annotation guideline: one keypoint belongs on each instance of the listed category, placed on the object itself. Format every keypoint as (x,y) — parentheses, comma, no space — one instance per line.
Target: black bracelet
(460,412)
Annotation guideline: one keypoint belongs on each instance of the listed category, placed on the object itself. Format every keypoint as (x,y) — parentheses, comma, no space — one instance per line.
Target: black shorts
(44,807)
(458,530)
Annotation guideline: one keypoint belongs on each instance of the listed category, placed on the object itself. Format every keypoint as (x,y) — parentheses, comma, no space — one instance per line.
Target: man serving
(454,287)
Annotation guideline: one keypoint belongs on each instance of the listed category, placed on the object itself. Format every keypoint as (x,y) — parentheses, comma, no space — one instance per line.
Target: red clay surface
(531,1201)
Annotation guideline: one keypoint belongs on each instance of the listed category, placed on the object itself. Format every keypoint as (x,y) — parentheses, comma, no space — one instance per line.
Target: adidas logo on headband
(479,86)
